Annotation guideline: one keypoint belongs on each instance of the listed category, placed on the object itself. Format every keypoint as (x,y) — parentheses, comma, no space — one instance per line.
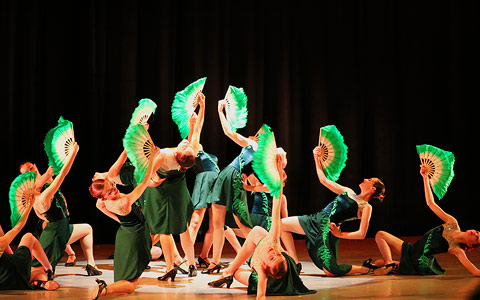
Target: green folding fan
(333,153)
(184,105)
(236,107)
(439,164)
(139,147)
(58,144)
(265,161)
(143,111)
(20,195)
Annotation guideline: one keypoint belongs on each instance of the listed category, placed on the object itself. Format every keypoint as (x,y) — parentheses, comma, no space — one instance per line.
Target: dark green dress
(15,270)
(419,258)
(261,210)
(322,245)
(206,171)
(228,188)
(289,284)
(57,232)
(132,246)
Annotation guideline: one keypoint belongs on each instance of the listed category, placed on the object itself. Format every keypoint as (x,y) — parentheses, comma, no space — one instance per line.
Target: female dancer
(320,228)
(132,242)
(58,233)
(419,259)
(274,272)
(15,267)
(228,194)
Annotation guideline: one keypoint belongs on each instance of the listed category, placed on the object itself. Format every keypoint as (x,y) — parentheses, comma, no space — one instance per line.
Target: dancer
(16,267)
(58,233)
(132,242)
(419,258)
(274,271)
(228,194)
(321,229)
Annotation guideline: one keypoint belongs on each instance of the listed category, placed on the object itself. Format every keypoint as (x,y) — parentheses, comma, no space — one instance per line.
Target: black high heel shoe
(49,273)
(386,269)
(180,269)
(212,270)
(71,263)
(192,271)
(203,261)
(368,264)
(221,282)
(91,270)
(102,285)
(170,274)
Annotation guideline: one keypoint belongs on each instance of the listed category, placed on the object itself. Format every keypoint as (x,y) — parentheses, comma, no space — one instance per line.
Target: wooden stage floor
(458,283)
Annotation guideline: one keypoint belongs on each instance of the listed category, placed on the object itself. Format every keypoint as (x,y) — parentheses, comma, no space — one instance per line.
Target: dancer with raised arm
(419,258)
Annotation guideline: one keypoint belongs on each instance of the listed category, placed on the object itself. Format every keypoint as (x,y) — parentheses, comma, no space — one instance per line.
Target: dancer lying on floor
(419,258)
(274,272)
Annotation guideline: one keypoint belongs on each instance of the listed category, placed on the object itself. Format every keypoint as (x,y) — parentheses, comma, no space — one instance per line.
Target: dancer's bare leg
(117,288)
(289,225)
(387,243)
(196,222)
(218,214)
(84,233)
(168,247)
(232,239)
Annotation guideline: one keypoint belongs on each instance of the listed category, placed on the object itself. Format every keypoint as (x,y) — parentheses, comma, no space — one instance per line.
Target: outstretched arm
(236,137)
(462,257)
(115,169)
(44,178)
(354,235)
(198,125)
(7,238)
(275,227)
(331,185)
(431,201)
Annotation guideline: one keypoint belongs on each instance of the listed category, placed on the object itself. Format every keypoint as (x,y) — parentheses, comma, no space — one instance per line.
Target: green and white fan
(184,105)
(146,107)
(265,162)
(439,164)
(236,107)
(333,154)
(58,144)
(139,147)
(20,195)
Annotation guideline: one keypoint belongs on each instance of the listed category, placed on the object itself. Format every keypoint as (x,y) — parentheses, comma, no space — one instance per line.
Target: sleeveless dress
(57,232)
(206,170)
(15,269)
(228,189)
(261,210)
(419,258)
(321,244)
(132,246)
(168,207)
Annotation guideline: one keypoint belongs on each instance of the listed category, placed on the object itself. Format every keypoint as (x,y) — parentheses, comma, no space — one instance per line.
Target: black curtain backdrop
(389,74)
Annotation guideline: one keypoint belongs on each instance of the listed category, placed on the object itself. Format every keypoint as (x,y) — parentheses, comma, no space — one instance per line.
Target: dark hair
(185,160)
(96,188)
(21,165)
(279,270)
(464,247)
(379,194)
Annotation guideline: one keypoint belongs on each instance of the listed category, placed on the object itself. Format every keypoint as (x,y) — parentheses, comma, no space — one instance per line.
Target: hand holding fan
(265,162)
(20,195)
(139,147)
(333,151)
(58,144)
(236,107)
(143,111)
(184,105)
(439,165)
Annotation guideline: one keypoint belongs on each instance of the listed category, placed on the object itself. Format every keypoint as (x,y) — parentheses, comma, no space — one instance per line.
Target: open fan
(58,144)
(265,161)
(139,147)
(439,164)
(236,107)
(333,151)
(184,105)
(143,111)
(20,195)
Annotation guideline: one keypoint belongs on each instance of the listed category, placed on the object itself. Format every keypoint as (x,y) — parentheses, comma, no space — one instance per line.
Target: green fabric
(419,258)
(288,285)
(20,191)
(202,188)
(56,144)
(146,107)
(15,270)
(168,207)
(139,147)
(236,109)
(338,153)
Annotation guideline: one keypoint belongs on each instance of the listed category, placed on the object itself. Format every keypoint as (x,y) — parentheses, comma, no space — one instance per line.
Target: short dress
(228,188)
(15,269)
(54,237)
(262,210)
(419,258)
(132,246)
(321,244)
(206,170)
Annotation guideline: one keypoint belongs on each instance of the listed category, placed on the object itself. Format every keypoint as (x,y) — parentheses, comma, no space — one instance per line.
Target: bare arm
(362,230)
(261,286)
(236,137)
(115,169)
(195,141)
(252,184)
(44,178)
(8,237)
(331,185)
(462,257)
(431,201)
(275,226)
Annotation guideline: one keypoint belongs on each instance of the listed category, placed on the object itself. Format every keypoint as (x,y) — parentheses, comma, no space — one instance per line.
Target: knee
(380,235)
(27,240)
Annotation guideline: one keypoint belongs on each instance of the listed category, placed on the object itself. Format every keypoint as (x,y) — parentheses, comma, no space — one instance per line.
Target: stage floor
(458,283)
